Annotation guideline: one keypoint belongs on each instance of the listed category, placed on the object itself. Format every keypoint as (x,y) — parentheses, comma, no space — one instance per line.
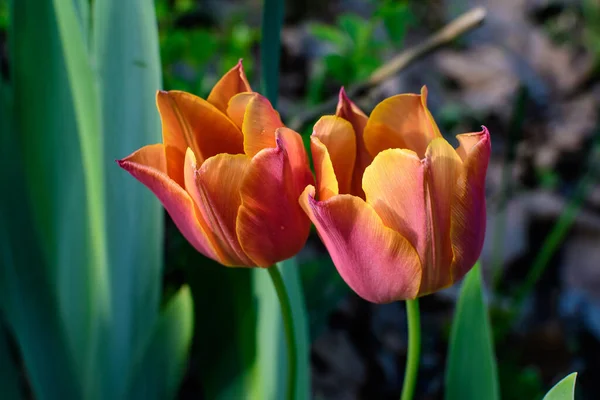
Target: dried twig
(469,20)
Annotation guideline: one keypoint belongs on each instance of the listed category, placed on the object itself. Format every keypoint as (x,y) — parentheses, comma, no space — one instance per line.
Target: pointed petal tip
(240,67)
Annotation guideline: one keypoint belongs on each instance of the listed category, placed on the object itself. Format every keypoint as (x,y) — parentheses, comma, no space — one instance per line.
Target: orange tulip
(401,211)
(229,173)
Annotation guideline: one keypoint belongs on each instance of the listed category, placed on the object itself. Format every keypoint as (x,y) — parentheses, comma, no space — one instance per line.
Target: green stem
(290,334)
(414,348)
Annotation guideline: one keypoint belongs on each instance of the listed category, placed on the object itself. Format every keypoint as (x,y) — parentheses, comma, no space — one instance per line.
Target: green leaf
(56,117)
(340,68)
(243,354)
(331,34)
(397,17)
(471,371)
(226,351)
(563,390)
(354,26)
(128,75)
(270,365)
(9,378)
(28,304)
(326,287)
(158,372)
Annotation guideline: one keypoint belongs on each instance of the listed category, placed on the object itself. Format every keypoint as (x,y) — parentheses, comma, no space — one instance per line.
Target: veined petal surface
(401,122)
(443,166)
(352,113)
(259,126)
(149,166)
(394,186)
(378,263)
(215,187)
(189,121)
(327,183)
(232,83)
(271,226)
(468,207)
(337,135)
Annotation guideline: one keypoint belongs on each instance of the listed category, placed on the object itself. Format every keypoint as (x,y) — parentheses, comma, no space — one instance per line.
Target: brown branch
(466,22)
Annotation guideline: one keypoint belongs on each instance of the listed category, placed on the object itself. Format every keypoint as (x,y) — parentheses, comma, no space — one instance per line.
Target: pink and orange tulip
(401,211)
(229,173)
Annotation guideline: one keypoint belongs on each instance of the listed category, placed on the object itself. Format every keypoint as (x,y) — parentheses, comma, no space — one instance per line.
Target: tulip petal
(215,187)
(232,83)
(148,165)
(259,126)
(351,113)
(189,121)
(467,141)
(327,183)
(338,137)
(378,263)
(271,226)
(401,122)
(237,107)
(468,207)
(443,166)
(394,185)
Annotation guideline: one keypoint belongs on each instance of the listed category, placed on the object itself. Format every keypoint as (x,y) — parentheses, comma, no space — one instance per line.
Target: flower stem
(414,346)
(290,334)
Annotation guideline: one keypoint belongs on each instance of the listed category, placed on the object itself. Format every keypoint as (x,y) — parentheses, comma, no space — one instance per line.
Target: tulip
(228,173)
(401,212)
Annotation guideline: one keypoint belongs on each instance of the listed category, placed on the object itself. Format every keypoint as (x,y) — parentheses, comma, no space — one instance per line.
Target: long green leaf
(83,86)
(270,365)
(563,390)
(243,354)
(226,351)
(128,66)
(56,120)
(9,378)
(471,372)
(9,381)
(158,372)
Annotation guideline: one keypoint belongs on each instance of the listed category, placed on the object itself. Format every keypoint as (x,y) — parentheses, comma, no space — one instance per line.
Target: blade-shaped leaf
(9,378)
(28,304)
(158,371)
(128,67)
(270,365)
(243,354)
(56,120)
(471,372)
(225,353)
(563,390)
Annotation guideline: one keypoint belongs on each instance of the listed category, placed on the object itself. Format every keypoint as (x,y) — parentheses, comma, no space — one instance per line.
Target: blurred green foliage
(356,46)
(591,15)
(196,54)
(3,14)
